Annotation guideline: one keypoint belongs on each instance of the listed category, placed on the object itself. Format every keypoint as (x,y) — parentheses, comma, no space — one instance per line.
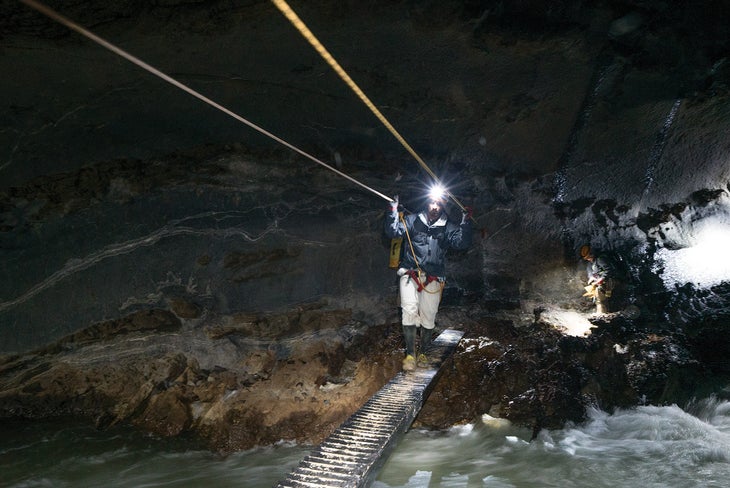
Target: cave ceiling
(500,86)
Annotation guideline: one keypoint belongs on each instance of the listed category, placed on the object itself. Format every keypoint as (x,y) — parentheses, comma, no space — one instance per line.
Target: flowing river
(643,447)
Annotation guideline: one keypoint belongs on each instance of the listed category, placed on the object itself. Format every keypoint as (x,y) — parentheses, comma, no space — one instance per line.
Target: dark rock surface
(168,267)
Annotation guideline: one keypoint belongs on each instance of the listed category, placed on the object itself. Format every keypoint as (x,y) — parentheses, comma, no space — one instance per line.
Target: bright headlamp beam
(437,192)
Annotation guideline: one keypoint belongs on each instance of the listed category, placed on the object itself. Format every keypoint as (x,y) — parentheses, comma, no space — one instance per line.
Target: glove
(595,280)
(394,204)
(466,215)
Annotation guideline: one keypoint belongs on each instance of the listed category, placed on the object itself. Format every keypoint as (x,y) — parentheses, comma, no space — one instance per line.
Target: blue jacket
(599,270)
(430,242)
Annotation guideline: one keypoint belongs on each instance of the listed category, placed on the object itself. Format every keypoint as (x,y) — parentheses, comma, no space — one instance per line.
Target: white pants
(419,307)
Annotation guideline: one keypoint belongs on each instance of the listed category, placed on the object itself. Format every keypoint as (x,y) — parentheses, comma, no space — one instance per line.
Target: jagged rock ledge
(235,390)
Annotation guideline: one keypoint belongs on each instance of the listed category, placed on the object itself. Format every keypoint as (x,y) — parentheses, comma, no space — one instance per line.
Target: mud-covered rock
(131,371)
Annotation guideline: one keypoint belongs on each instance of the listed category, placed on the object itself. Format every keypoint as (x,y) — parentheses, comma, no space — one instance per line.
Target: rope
(304,31)
(408,235)
(86,33)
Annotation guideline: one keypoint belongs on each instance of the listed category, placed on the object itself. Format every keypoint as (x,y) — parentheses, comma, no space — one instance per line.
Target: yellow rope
(309,36)
(294,19)
(90,35)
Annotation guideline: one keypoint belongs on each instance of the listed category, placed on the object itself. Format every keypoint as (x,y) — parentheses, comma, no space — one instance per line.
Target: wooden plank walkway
(352,455)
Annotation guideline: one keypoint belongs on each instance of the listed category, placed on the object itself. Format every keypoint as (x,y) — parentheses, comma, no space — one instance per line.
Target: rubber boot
(409,335)
(426,337)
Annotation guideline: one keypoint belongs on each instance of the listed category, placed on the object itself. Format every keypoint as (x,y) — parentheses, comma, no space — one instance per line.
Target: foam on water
(646,447)
(643,447)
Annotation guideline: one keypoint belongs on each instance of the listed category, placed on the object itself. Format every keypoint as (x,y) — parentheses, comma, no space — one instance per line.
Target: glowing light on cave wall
(705,264)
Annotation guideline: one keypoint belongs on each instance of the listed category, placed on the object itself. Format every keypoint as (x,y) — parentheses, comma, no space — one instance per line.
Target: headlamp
(436,193)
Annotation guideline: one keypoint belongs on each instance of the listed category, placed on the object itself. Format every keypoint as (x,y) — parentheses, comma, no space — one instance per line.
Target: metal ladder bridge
(354,453)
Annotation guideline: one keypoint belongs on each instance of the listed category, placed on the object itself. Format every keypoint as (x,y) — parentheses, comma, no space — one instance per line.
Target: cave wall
(561,123)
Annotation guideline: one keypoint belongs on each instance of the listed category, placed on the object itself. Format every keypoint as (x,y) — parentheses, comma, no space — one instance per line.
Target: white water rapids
(644,447)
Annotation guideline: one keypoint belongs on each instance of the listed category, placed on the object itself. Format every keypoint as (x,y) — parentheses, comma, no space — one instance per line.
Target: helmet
(585,251)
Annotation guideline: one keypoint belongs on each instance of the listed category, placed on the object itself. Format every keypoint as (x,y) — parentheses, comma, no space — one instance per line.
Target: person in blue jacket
(600,276)
(427,236)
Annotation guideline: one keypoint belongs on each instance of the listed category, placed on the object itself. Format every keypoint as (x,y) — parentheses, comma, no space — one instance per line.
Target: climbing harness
(88,34)
(416,276)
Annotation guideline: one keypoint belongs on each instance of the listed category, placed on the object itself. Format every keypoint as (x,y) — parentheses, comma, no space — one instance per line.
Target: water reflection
(77,455)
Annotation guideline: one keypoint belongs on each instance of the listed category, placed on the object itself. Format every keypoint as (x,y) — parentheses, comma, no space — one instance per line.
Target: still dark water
(642,447)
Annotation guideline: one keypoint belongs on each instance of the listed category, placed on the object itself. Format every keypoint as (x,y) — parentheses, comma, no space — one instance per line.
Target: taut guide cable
(309,36)
(52,14)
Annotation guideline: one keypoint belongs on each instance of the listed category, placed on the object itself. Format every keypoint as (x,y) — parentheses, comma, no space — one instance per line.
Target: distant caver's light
(570,322)
(706,263)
